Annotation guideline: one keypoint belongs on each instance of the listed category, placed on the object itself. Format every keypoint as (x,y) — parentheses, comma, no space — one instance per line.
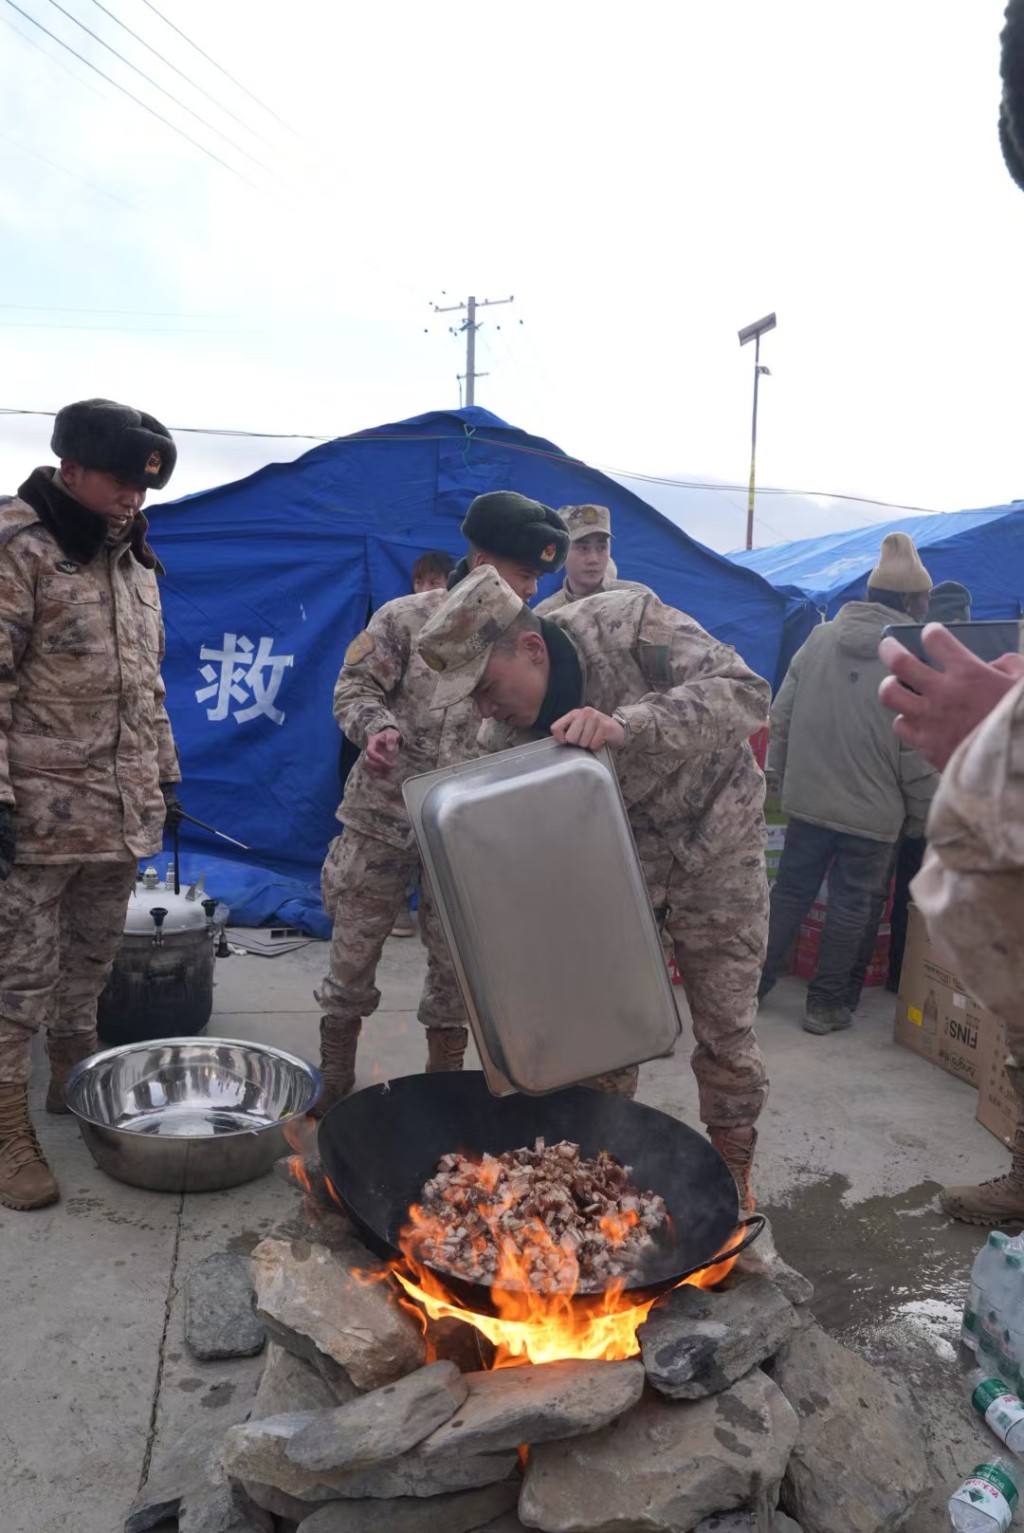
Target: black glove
(6,841)
(172,806)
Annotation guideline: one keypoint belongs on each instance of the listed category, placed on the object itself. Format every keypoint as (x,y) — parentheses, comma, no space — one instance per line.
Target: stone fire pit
(738,1416)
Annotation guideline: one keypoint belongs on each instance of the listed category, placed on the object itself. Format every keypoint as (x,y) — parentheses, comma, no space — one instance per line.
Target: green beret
(512,526)
(115,439)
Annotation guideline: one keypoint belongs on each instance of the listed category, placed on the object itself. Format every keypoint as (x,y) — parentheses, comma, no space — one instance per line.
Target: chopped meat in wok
(547,1218)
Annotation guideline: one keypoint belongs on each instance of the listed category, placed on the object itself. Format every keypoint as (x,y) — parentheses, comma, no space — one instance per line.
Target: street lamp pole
(754,333)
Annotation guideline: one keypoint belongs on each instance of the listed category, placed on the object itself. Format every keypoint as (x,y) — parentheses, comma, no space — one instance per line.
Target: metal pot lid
(183,913)
(542,897)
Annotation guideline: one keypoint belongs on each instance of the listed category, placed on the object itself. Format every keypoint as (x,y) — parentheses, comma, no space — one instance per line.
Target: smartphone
(986,640)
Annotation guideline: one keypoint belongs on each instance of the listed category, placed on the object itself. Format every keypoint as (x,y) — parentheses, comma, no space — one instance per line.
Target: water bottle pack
(983,1276)
(993,1328)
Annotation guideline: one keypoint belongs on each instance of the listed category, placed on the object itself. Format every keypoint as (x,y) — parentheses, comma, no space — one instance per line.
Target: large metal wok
(379,1146)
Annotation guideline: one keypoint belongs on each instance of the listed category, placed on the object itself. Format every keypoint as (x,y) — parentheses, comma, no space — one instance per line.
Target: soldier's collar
(79,532)
(565,683)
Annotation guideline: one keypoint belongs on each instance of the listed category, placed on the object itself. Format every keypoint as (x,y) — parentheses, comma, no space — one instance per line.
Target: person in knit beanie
(899,580)
(848,785)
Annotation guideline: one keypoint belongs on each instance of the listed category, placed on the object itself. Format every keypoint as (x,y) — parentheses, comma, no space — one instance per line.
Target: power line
(220,67)
(42,308)
(74,174)
(701,484)
(187,78)
(126,92)
(156,85)
(30,42)
(691,484)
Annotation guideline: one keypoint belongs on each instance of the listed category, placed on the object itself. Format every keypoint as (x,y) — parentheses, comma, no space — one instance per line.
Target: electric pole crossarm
(469,327)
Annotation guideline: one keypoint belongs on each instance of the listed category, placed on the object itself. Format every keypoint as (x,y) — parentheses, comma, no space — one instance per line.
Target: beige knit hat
(899,567)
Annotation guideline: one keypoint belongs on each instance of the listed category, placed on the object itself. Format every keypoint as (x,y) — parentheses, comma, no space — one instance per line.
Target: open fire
(528,1326)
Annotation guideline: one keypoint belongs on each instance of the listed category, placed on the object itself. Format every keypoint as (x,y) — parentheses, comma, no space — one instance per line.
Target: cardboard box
(935,1016)
(999,1106)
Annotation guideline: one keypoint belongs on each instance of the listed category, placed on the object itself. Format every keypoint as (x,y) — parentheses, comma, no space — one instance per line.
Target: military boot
(622,1082)
(26,1181)
(65,1050)
(736,1147)
(338,1043)
(446,1048)
(999,1201)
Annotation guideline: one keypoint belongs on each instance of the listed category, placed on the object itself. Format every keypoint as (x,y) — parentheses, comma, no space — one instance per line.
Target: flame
(534,1323)
(541,1317)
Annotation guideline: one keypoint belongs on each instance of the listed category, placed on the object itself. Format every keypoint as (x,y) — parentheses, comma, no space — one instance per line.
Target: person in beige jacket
(849,786)
(87,761)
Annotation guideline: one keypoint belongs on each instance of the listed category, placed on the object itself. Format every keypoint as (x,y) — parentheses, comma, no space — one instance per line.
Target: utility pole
(754,333)
(469,328)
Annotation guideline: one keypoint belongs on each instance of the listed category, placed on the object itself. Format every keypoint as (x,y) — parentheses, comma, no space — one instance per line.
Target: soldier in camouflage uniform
(676,709)
(382,702)
(87,762)
(967,718)
(588,564)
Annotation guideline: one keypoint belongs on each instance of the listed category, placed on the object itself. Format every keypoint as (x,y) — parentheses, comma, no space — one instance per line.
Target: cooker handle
(758,1221)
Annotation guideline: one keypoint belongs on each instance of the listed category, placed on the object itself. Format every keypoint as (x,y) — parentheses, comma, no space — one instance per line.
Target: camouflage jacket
(85,740)
(689,705)
(564,597)
(385,685)
(971,888)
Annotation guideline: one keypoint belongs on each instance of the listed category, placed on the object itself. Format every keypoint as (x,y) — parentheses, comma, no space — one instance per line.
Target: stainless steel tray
(541,895)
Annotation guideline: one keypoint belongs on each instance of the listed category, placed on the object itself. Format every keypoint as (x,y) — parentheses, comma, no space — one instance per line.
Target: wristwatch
(627,728)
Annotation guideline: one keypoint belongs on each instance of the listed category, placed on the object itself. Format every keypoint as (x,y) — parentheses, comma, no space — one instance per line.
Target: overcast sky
(644,179)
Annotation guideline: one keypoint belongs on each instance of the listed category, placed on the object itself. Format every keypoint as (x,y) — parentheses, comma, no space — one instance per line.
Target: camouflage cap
(457,641)
(583,520)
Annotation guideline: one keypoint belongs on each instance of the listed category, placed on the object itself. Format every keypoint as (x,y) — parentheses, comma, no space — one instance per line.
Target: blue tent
(270,577)
(984,550)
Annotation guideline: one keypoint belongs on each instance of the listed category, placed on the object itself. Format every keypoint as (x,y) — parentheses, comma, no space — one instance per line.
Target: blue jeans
(857,869)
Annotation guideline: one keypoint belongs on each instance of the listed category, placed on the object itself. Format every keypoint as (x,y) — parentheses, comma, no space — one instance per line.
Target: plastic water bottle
(997,1302)
(986,1501)
(994,1399)
(1011,1345)
(983,1273)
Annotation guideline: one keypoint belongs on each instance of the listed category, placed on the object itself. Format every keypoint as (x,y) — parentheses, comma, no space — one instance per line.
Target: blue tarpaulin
(983,550)
(270,577)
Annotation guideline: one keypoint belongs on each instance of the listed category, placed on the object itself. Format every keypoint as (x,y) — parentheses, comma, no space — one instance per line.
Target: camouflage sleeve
(703,698)
(17,608)
(166,750)
(375,663)
(779,720)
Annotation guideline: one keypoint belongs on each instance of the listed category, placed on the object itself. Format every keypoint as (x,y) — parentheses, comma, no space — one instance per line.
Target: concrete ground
(96,1380)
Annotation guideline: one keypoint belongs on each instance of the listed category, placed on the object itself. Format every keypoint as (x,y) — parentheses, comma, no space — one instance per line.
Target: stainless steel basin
(189,1114)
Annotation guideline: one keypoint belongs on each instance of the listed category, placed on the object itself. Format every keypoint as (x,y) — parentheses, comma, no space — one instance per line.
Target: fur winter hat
(1011,111)
(115,439)
(513,526)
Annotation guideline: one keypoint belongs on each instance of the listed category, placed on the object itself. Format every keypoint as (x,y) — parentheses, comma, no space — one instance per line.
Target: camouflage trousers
(718,923)
(364,884)
(61,926)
